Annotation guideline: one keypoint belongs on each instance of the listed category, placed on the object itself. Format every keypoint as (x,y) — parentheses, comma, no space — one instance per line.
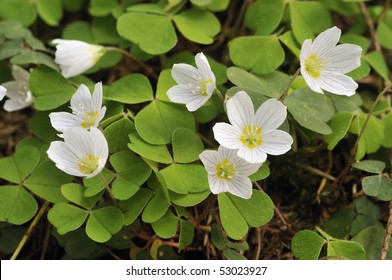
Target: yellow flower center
(251,136)
(97,51)
(225,170)
(313,65)
(203,86)
(90,119)
(89,164)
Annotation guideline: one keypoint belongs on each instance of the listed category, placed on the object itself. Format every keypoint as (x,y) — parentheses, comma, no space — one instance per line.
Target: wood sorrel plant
(223,129)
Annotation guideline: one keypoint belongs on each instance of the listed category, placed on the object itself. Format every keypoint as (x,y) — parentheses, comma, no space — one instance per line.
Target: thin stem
(370,25)
(107,188)
(30,230)
(370,113)
(220,95)
(388,234)
(317,172)
(291,81)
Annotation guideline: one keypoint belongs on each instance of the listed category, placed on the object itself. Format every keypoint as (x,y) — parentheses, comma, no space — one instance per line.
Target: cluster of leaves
(159,189)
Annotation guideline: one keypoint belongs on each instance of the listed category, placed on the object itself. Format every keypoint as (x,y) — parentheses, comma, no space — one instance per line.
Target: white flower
(86,110)
(195,85)
(18,91)
(228,173)
(253,135)
(323,64)
(83,153)
(76,57)
(3,92)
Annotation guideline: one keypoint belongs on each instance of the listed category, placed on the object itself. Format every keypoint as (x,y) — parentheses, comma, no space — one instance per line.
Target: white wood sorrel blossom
(83,153)
(87,110)
(228,173)
(18,91)
(323,63)
(76,57)
(253,135)
(3,92)
(195,85)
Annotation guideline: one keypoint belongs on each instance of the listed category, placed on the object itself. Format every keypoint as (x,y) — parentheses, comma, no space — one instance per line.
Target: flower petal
(101,148)
(96,98)
(217,185)
(270,115)
(209,159)
(12,105)
(306,49)
(344,58)
(185,74)
(313,83)
(63,120)
(227,135)
(256,155)
(240,110)
(184,94)
(276,142)
(337,83)
(3,92)
(241,186)
(64,158)
(81,102)
(325,41)
(204,67)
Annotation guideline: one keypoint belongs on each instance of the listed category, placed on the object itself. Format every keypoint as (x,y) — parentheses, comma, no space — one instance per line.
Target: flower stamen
(90,119)
(251,136)
(225,170)
(89,164)
(313,65)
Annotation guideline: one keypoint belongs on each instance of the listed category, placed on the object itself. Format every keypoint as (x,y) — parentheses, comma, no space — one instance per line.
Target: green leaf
(79,30)
(75,193)
(165,82)
(21,10)
(167,117)
(378,63)
(11,48)
(289,41)
(135,205)
(271,85)
(158,153)
(339,225)
(131,89)
(372,240)
(117,134)
(238,214)
(343,103)
(367,214)
(153,33)
(103,223)
(187,145)
(10,238)
(308,18)
(267,53)
(387,120)
(307,245)
(261,174)
(310,110)
(371,166)
(50,11)
(49,88)
(231,254)
(157,206)
(42,128)
(101,8)
(166,227)
(197,25)
(264,16)
(17,167)
(372,137)
(77,244)
(384,31)
(378,186)
(201,2)
(346,249)
(339,124)
(217,237)
(33,57)
(95,185)
(66,217)
(46,181)
(187,233)
(188,200)
(17,206)
(218,5)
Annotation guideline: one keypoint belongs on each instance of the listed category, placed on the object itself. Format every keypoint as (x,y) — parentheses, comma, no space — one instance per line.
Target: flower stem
(220,95)
(107,188)
(388,234)
(291,81)
(31,228)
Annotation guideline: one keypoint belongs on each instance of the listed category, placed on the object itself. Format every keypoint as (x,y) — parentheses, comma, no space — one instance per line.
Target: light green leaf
(42,128)
(17,206)
(372,166)
(346,103)
(21,10)
(308,19)
(197,25)
(201,2)
(289,41)
(378,186)
(135,205)
(231,254)
(378,63)
(79,30)
(33,57)
(131,89)
(186,145)
(75,193)
(311,110)
(96,184)
(165,82)
(307,245)
(238,214)
(103,223)
(167,118)
(187,233)
(46,181)
(180,178)
(372,239)
(267,53)
(66,217)
(157,153)
(384,31)
(188,200)
(51,11)
(264,16)
(218,5)
(157,206)
(17,167)
(101,8)
(346,249)
(166,227)
(153,33)
(49,88)
(261,174)
(387,120)
(117,134)
(339,124)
